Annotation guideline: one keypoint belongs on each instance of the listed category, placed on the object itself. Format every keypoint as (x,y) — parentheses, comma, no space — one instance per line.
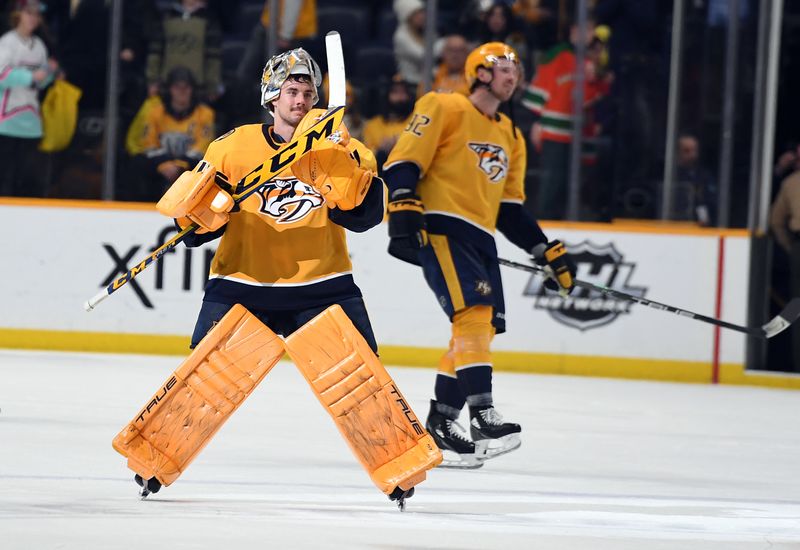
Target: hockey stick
(337,87)
(778,324)
(279,161)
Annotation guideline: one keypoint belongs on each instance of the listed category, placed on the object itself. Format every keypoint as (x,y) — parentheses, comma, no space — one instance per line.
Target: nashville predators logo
(492,159)
(288,200)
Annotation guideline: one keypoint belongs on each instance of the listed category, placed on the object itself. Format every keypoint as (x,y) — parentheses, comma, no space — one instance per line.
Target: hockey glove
(558,264)
(333,171)
(407,233)
(195,197)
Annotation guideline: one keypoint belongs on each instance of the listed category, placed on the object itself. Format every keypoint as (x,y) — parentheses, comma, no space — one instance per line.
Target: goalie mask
(278,69)
(486,56)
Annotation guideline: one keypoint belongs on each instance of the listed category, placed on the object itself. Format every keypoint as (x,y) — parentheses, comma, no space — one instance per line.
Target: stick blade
(784,319)
(337,90)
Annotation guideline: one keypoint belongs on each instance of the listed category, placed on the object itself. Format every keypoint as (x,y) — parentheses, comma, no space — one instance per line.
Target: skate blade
(486,449)
(451,459)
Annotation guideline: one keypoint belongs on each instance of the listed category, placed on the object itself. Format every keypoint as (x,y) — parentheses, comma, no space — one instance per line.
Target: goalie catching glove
(195,197)
(332,169)
(560,266)
(407,231)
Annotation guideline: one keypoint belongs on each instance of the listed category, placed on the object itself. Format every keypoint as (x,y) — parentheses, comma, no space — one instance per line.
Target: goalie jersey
(469,164)
(284,248)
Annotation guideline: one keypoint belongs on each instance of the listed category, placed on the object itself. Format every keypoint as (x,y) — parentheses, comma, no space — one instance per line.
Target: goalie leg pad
(187,410)
(363,400)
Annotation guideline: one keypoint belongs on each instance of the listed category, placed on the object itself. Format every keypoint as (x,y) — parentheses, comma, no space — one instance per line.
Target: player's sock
(491,435)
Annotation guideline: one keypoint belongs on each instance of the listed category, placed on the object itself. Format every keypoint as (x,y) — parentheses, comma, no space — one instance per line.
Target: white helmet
(278,69)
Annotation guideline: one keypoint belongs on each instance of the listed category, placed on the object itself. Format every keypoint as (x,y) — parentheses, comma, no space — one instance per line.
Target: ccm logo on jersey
(288,200)
(492,159)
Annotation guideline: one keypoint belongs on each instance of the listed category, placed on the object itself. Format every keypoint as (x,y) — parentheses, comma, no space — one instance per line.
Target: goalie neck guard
(278,69)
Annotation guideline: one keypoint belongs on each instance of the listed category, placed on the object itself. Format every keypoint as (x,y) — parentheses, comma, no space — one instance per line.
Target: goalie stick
(278,162)
(337,88)
(778,324)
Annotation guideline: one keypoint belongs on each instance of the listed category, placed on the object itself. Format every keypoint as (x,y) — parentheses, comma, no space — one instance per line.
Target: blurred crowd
(190,70)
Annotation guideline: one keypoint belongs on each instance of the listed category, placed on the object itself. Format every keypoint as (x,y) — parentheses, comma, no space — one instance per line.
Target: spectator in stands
(297,28)
(297,23)
(381,131)
(499,24)
(549,97)
(635,37)
(82,37)
(449,75)
(409,39)
(80,29)
(187,36)
(785,165)
(695,197)
(785,225)
(176,134)
(545,23)
(24,70)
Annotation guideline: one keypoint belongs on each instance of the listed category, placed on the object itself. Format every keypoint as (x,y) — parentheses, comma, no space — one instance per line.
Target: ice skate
(400,495)
(152,485)
(491,435)
(457,450)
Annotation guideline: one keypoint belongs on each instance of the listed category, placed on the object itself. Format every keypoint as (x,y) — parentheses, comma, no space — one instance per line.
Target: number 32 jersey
(469,163)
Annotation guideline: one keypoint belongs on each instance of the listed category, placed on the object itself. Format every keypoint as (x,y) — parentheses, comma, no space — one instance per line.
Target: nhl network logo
(584,308)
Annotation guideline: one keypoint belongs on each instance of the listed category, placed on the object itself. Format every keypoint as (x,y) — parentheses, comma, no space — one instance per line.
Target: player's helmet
(486,55)
(278,69)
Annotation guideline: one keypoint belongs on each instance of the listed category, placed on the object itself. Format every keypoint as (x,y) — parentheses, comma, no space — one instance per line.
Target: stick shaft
(337,88)
(757,331)
(141,266)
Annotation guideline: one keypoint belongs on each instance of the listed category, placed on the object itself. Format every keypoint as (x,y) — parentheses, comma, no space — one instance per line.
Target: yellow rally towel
(59,116)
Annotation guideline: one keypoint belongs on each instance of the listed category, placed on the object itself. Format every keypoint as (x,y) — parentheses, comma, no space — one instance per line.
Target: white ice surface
(604,464)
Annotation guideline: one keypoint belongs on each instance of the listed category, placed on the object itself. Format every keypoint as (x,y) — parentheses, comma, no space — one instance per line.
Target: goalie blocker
(227,365)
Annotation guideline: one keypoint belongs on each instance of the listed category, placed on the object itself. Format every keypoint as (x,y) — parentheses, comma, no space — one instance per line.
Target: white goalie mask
(278,69)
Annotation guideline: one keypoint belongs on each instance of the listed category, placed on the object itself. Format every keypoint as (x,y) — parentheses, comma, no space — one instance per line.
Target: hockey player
(456,175)
(307,268)
(176,133)
(282,254)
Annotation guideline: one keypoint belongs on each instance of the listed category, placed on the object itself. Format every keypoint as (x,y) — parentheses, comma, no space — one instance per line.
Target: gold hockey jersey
(166,138)
(284,248)
(469,163)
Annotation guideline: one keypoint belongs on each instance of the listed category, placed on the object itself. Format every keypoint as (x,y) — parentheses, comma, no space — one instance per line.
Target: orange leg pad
(363,400)
(197,399)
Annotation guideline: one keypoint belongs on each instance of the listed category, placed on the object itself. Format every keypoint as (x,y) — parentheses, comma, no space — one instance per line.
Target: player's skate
(400,495)
(152,485)
(457,450)
(491,435)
